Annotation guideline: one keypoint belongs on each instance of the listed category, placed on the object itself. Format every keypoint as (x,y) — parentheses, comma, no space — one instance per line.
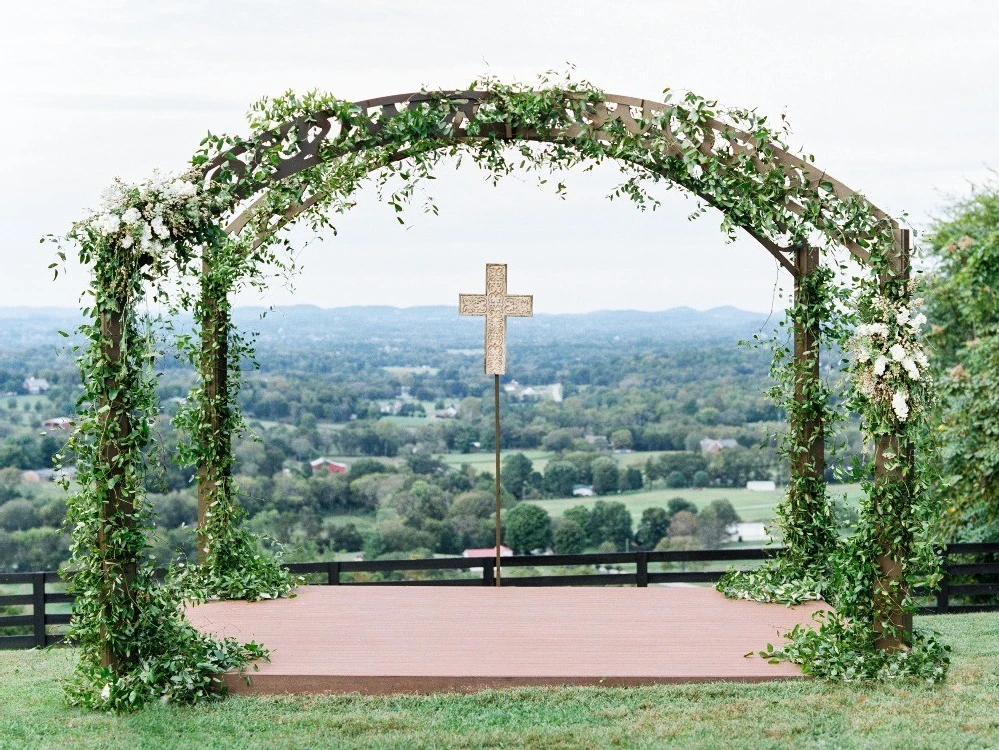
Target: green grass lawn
(961,713)
(751,506)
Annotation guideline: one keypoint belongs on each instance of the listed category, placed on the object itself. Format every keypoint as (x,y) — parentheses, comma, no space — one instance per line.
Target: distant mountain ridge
(440,325)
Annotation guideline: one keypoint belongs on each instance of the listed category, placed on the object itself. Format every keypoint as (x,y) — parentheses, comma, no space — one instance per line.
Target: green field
(399,371)
(26,402)
(959,714)
(751,506)
(486,460)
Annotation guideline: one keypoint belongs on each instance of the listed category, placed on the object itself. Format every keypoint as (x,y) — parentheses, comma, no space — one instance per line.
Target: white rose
(108,223)
(880,364)
(106,692)
(131,215)
(127,241)
(900,403)
(159,228)
(909,366)
(897,352)
(182,188)
(903,316)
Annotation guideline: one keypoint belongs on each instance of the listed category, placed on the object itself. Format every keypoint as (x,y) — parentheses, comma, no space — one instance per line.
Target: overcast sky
(896,99)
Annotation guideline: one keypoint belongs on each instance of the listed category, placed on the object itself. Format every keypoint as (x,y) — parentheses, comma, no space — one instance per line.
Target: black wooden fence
(970,584)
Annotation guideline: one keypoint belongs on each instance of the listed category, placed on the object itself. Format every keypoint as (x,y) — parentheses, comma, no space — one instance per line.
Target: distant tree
(676,480)
(454,481)
(446,540)
(308,521)
(682,524)
(724,511)
(174,509)
(516,474)
(707,416)
(676,504)
(422,500)
(558,440)
(685,462)
(692,442)
(398,537)
(528,527)
(10,483)
(473,504)
(330,493)
(609,522)
(52,513)
(579,514)
(559,478)
(622,439)
(605,476)
(583,461)
(713,522)
(679,544)
(39,548)
(20,452)
(364,466)
(631,479)
(423,461)
(273,461)
(569,537)
(733,467)
(412,409)
(374,545)
(471,532)
(653,527)
(470,409)
(346,538)
(18,515)
(701,479)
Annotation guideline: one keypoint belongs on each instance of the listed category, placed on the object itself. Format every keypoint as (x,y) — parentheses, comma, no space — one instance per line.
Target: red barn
(323,465)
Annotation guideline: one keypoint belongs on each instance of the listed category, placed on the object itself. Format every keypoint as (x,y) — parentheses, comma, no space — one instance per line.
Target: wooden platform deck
(430,639)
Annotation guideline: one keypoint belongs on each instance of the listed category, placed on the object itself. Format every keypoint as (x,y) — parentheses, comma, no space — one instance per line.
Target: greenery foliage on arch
(188,243)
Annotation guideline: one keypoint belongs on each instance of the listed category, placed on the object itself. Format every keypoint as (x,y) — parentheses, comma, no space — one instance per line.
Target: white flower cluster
(888,357)
(148,214)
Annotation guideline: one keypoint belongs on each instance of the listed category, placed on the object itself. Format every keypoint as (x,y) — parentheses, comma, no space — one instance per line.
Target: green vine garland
(232,566)
(135,644)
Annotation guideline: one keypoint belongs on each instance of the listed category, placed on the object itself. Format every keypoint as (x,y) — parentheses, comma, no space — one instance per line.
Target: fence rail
(968,585)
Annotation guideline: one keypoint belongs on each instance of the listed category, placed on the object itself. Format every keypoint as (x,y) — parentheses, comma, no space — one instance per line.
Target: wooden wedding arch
(250,170)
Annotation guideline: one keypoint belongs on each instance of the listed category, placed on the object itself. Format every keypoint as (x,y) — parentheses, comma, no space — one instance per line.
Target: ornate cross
(496,305)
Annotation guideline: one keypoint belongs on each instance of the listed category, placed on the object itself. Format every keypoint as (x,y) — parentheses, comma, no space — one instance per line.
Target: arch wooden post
(215,469)
(808,459)
(117,512)
(894,461)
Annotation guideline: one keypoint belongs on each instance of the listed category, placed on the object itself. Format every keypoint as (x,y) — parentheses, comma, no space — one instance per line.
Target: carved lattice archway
(798,201)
